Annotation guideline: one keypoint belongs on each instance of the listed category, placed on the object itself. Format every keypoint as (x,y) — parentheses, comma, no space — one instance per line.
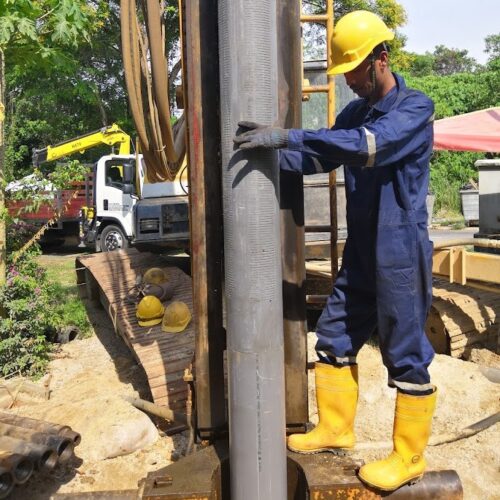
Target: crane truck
(116,206)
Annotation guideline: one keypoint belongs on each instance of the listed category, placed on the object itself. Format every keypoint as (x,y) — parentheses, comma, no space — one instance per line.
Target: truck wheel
(112,238)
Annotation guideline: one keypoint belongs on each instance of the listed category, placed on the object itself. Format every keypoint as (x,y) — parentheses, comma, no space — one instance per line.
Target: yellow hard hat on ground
(354,37)
(149,311)
(155,276)
(176,318)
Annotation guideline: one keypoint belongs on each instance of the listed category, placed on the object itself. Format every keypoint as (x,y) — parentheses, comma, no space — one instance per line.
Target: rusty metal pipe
(317,299)
(41,426)
(159,411)
(477,242)
(20,466)
(62,445)
(435,485)
(6,482)
(43,457)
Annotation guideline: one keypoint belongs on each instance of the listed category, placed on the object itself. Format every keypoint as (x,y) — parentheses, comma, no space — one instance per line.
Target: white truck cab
(129,210)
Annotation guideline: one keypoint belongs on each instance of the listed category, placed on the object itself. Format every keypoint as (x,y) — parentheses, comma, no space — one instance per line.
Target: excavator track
(461,317)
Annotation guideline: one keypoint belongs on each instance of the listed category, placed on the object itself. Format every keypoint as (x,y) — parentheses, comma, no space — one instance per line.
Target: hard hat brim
(174,329)
(340,69)
(149,322)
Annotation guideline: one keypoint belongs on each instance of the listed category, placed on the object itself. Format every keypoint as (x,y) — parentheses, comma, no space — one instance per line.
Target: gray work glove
(254,135)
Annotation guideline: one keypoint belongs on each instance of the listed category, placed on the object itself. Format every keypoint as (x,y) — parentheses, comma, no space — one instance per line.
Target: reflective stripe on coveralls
(385,281)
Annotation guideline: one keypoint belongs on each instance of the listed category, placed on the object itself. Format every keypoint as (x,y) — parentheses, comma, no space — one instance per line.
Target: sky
(454,23)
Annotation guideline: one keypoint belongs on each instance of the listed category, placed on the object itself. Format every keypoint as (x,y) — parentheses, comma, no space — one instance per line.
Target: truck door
(111,201)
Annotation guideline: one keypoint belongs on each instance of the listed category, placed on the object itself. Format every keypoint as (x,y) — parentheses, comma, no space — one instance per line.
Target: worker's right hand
(252,135)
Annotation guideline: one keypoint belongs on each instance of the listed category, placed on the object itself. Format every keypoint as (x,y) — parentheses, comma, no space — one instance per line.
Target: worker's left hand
(254,135)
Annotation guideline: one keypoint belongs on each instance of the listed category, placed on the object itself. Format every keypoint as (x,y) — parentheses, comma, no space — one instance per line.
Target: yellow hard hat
(354,37)
(149,311)
(176,318)
(155,276)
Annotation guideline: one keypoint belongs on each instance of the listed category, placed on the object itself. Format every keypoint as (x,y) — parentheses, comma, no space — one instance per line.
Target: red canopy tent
(477,131)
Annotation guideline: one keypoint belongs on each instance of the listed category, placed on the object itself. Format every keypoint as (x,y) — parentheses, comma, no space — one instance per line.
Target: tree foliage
(34,32)
(390,11)
(455,94)
(40,39)
(450,61)
(493,50)
(64,69)
(459,93)
(71,88)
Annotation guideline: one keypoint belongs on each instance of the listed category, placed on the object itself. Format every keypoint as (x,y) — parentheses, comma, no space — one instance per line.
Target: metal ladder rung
(312,89)
(313,18)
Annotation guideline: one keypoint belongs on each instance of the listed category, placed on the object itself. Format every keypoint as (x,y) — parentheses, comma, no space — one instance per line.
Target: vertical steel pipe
(201,69)
(253,279)
(292,219)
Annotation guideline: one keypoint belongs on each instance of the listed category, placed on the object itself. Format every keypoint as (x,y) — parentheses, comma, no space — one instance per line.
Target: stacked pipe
(28,445)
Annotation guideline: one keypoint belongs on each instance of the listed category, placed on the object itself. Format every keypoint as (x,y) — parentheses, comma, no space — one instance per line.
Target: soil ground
(102,366)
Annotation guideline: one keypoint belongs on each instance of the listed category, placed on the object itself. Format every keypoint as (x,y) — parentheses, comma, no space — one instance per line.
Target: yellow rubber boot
(337,397)
(412,428)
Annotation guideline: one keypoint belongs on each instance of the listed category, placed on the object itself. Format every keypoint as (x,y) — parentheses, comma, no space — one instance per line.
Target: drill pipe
(41,426)
(44,457)
(61,444)
(20,466)
(6,482)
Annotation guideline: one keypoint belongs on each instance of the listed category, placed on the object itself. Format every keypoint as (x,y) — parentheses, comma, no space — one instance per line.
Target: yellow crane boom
(110,135)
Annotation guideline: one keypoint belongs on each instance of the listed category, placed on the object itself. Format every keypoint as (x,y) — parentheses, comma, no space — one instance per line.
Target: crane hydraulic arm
(110,135)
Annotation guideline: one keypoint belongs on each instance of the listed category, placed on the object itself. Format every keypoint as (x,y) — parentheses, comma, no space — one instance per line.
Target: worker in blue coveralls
(384,140)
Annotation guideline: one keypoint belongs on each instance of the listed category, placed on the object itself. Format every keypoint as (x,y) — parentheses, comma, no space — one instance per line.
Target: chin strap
(373,76)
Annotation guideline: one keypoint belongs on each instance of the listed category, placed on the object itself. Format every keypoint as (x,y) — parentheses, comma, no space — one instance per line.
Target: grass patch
(449,218)
(69,307)
(458,225)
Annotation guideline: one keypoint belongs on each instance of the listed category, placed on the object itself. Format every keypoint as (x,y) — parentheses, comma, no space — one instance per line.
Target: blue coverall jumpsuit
(385,281)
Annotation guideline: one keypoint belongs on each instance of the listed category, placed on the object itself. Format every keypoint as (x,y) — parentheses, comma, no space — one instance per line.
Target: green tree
(57,93)
(449,61)
(390,11)
(421,64)
(32,33)
(453,95)
(493,50)
(79,91)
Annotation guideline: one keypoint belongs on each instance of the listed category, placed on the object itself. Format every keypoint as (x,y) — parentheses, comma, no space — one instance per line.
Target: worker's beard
(364,91)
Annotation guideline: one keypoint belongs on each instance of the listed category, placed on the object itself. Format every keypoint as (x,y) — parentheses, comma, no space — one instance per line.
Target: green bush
(35,305)
(454,95)
(450,171)
(27,323)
